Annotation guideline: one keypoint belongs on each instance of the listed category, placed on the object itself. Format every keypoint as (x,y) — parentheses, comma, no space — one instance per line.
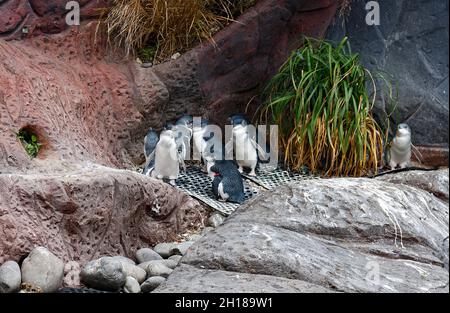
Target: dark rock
(350,235)
(411,45)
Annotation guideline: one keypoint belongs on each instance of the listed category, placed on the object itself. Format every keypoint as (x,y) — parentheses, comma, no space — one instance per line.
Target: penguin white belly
(246,155)
(166,163)
(224,196)
(400,152)
(199,142)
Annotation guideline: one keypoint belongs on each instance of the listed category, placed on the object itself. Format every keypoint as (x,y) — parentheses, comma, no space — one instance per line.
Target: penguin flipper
(261,152)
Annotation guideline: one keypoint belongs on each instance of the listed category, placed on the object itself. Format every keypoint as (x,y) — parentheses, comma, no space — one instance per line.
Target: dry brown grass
(168,26)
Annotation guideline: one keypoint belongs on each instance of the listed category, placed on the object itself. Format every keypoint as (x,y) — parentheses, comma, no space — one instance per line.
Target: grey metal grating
(198,185)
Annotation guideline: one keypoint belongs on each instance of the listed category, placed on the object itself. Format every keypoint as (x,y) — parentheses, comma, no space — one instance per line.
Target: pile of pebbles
(42,271)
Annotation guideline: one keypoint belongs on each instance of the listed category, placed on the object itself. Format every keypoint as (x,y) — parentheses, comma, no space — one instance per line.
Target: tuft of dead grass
(168,26)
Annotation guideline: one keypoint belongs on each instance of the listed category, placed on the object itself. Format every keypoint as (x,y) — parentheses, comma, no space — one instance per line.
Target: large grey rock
(152,283)
(43,269)
(163,249)
(147,254)
(10,277)
(105,273)
(349,235)
(411,44)
(131,285)
(189,279)
(435,182)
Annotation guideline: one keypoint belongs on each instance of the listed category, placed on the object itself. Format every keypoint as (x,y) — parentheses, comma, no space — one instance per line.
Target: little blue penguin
(399,151)
(150,142)
(227,184)
(245,146)
(207,144)
(167,157)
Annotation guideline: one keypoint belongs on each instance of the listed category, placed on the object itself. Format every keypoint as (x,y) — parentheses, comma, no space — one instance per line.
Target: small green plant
(147,54)
(30,142)
(320,101)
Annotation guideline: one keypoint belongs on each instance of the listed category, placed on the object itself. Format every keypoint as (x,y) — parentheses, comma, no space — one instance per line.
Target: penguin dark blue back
(150,142)
(227,184)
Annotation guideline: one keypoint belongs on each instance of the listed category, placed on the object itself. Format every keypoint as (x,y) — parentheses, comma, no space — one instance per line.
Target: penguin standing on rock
(167,157)
(227,184)
(399,150)
(150,142)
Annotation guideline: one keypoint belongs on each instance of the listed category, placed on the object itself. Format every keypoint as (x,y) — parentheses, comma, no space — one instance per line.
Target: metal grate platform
(198,185)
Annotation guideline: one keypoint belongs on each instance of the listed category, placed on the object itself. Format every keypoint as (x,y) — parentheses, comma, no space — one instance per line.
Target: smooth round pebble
(131,285)
(147,254)
(105,273)
(43,269)
(152,283)
(163,249)
(215,220)
(10,277)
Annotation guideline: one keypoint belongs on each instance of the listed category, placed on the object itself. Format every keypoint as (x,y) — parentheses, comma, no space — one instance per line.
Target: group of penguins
(166,152)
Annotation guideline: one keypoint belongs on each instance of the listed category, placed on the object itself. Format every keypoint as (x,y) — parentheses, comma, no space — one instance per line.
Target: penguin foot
(241,169)
(252,173)
(172,182)
(403,165)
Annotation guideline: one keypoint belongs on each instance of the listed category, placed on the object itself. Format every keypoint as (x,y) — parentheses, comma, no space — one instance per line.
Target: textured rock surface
(411,44)
(435,182)
(218,81)
(105,274)
(10,277)
(43,269)
(187,278)
(40,17)
(86,108)
(72,270)
(350,235)
(85,214)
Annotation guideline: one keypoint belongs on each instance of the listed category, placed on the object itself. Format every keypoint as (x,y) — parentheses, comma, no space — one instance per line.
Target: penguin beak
(216,174)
